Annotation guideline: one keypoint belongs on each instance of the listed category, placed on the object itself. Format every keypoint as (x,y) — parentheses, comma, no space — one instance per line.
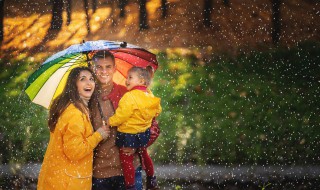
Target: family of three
(99,130)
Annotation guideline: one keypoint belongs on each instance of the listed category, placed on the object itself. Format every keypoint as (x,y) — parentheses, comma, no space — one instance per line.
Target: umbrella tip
(123,44)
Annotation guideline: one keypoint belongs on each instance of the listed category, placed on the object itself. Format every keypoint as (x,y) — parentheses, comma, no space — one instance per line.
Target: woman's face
(85,84)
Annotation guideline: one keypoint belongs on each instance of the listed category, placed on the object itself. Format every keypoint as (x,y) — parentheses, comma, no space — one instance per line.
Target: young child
(133,118)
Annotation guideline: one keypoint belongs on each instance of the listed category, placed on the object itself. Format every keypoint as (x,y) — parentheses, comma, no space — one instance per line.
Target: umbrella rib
(44,67)
(121,73)
(74,63)
(134,55)
(65,65)
(131,53)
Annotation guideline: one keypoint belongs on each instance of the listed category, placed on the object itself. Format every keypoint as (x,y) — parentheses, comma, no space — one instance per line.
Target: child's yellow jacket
(67,164)
(135,112)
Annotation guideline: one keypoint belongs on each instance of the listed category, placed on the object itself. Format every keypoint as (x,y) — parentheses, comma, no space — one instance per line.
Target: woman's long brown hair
(69,95)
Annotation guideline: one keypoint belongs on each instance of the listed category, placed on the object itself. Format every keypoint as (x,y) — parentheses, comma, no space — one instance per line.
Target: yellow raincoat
(67,164)
(135,112)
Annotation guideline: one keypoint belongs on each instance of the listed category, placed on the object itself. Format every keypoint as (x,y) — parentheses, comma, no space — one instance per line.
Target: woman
(68,160)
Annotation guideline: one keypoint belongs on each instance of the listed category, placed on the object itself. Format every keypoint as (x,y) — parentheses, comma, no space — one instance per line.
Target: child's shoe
(152,183)
(131,187)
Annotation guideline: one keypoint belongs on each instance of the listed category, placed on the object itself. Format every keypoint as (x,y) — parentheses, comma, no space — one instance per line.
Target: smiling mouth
(88,89)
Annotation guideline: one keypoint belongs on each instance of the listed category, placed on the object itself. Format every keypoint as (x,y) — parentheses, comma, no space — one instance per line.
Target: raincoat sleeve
(123,112)
(75,144)
(159,110)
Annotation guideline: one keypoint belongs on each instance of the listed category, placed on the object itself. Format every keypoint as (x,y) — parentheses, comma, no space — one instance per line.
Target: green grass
(254,109)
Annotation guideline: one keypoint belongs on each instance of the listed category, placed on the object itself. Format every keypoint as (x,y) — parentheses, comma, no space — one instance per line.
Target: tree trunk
(57,9)
(164,8)
(122,6)
(143,16)
(94,6)
(276,24)
(86,9)
(68,5)
(207,13)
(1,19)
(113,13)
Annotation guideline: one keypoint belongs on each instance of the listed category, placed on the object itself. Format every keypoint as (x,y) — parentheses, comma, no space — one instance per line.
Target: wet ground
(191,177)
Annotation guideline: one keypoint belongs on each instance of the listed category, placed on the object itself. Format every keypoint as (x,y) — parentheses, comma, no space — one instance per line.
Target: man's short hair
(102,55)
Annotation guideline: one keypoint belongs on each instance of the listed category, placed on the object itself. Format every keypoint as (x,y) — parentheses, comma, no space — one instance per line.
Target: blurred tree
(276,24)
(1,20)
(143,16)
(164,8)
(226,2)
(94,6)
(23,132)
(68,5)
(122,5)
(113,17)
(86,9)
(207,13)
(57,9)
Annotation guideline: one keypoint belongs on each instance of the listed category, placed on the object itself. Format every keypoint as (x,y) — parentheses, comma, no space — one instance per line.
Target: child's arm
(123,112)
(159,111)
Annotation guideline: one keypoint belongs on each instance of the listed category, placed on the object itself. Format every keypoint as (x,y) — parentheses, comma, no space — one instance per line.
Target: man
(107,172)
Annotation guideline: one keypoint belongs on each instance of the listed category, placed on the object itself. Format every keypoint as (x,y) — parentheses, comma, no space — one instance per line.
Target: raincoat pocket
(76,183)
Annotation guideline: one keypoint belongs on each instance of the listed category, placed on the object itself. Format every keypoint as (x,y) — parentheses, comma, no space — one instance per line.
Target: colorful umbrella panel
(48,81)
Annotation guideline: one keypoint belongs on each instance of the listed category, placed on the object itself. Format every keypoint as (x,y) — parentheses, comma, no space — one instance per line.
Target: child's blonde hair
(144,73)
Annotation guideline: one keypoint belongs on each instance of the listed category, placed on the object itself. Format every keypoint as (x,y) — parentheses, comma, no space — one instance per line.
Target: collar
(106,97)
(142,88)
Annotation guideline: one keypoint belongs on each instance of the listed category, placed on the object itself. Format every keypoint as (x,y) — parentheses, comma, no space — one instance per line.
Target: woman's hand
(104,131)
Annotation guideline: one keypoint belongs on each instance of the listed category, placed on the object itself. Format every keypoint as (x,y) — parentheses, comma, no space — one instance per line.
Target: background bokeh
(239,80)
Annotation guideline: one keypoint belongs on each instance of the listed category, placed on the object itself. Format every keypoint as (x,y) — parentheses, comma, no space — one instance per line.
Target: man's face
(104,70)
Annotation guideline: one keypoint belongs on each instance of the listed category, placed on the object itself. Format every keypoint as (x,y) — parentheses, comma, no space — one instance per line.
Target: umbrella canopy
(48,81)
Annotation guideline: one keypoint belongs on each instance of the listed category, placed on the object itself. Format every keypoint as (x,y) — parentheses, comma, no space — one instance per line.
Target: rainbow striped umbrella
(48,81)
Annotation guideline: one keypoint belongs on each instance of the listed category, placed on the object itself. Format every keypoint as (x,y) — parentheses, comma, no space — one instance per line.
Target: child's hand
(128,150)
(106,124)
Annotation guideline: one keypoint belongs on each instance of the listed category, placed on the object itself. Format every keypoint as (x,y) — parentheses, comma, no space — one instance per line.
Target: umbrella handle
(101,114)
(88,60)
